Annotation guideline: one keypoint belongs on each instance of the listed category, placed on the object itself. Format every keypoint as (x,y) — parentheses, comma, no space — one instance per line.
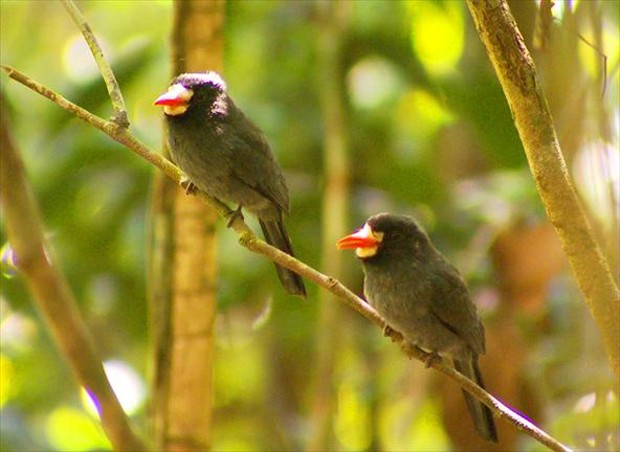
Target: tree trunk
(184,266)
(335,203)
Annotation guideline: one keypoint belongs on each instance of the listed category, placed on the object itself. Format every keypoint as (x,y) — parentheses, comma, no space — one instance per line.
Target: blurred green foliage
(431,135)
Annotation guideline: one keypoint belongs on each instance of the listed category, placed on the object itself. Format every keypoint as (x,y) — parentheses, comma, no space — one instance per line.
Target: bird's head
(192,90)
(383,234)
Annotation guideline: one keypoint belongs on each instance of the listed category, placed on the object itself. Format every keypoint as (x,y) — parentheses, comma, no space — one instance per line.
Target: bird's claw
(390,332)
(188,186)
(387,330)
(237,213)
(431,359)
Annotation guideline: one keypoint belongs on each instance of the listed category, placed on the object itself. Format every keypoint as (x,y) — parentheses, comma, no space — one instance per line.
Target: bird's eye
(397,235)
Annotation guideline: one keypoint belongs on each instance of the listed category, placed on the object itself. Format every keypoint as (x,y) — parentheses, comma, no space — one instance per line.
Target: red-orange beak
(363,238)
(176,96)
(168,99)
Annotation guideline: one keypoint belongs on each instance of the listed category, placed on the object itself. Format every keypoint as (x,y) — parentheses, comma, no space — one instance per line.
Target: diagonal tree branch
(249,240)
(517,75)
(53,296)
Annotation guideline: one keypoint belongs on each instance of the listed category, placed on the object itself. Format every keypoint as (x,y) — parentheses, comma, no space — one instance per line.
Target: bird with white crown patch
(225,155)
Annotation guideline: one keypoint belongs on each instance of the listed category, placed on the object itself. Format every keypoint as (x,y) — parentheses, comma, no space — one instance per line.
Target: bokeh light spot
(8,261)
(352,418)
(78,60)
(372,82)
(127,385)
(71,429)
(8,387)
(437,35)
(420,114)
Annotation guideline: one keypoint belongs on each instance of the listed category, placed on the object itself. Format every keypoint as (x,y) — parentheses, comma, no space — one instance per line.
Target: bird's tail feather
(480,413)
(276,235)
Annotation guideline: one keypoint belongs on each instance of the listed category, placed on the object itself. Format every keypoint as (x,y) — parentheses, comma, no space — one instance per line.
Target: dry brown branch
(183,276)
(53,296)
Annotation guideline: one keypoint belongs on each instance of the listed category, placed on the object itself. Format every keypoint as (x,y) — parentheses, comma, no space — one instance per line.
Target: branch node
(331,282)
(121,119)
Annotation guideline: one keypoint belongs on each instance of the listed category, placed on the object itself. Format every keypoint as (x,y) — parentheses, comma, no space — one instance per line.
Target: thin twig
(120,116)
(604,63)
(249,240)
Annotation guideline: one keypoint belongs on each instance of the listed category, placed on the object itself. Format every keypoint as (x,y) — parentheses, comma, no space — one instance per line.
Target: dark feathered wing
(463,321)
(255,163)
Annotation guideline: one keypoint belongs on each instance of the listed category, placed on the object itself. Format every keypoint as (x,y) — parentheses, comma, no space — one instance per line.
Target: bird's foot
(188,186)
(390,332)
(237,213)
(431,359)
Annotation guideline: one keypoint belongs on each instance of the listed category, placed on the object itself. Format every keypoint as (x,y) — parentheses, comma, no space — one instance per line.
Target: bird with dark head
(421,295)
(225,155)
